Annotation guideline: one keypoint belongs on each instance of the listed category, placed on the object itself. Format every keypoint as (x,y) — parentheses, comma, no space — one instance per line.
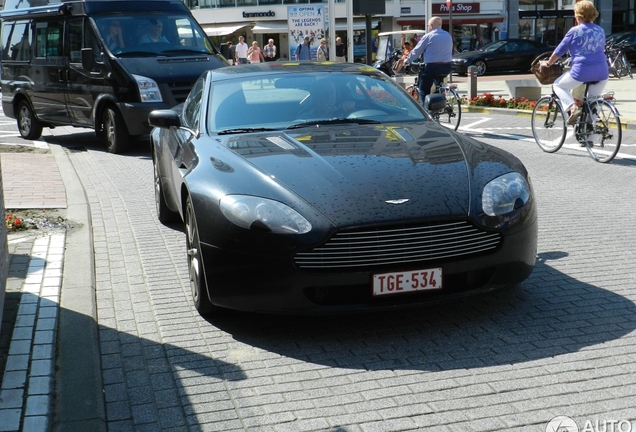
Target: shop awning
(357,25)
(270,27)
(222,31)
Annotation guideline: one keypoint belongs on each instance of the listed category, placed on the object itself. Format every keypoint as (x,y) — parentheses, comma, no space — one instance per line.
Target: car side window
(192,105)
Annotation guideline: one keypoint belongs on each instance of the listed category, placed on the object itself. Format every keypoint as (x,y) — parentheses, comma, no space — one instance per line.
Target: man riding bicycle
(437,47)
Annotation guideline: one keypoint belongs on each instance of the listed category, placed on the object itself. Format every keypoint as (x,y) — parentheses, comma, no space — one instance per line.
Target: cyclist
(586,44)
(437,47)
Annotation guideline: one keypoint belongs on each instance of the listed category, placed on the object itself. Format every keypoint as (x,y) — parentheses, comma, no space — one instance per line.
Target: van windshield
(169,34)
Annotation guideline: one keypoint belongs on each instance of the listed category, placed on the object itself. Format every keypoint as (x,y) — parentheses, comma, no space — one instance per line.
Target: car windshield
(493,46)
(151,34)
(284,100)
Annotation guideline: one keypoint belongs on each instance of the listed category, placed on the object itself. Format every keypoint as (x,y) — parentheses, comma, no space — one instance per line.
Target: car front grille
(365,247)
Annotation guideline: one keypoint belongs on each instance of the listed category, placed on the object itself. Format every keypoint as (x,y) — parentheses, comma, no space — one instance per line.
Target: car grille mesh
(180,90)
(395,245)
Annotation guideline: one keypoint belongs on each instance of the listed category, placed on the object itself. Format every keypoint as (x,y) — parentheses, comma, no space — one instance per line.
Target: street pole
(449,4)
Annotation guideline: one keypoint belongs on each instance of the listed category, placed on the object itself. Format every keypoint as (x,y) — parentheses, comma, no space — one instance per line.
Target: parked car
(627,41)
(501,56)
(310,188)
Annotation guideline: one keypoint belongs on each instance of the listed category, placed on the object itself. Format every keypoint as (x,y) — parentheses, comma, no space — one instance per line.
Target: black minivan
(101,64)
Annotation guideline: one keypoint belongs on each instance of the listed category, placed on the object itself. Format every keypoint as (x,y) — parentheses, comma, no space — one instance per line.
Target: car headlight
(148,89)
(505,194)
(263,214)
(460,61)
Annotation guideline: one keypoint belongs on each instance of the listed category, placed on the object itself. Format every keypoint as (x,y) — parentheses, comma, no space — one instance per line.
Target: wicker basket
(547,75)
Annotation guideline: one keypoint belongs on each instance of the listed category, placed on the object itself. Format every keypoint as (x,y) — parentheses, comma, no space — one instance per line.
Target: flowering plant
(13,222)
(488,100)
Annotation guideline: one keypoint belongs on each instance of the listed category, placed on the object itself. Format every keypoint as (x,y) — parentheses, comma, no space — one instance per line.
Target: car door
(503,58)
(82,85)
(179,145)
(48,72)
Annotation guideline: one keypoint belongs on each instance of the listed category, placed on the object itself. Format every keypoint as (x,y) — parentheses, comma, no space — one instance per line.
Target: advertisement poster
(304,21)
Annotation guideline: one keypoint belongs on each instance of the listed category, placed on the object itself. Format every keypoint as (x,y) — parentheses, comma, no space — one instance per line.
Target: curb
(626,123)
(79,393)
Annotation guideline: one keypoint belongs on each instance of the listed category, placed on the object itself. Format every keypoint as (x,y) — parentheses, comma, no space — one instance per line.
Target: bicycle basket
(547,75)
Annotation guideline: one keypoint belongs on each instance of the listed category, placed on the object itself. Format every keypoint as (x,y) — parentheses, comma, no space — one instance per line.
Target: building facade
(473,23)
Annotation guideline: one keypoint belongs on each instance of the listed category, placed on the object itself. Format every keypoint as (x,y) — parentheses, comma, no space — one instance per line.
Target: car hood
(358,174)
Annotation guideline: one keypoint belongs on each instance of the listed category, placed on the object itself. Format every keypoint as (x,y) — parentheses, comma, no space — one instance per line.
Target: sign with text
(305,21)
(458,8)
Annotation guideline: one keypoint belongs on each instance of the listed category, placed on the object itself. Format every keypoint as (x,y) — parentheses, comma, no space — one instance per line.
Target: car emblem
(397,201)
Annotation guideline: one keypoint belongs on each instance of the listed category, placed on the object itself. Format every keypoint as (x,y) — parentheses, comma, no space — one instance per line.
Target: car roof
(230,72)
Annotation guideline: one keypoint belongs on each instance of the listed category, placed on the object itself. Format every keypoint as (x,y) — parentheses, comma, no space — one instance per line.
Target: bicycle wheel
(604,141)
(627,66)
(548,124)
(414,92)
(452,113)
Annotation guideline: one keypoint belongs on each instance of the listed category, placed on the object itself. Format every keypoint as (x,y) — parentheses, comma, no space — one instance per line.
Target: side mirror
(434,102)
(88,61)
(164,119)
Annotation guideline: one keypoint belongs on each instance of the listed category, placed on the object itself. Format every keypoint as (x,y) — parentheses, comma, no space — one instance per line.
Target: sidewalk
(49,337)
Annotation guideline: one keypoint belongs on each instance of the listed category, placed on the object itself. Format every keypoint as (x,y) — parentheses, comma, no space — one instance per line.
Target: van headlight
(148,89)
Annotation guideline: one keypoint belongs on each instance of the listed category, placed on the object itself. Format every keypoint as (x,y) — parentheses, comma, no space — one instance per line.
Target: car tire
(115,133)
(481,67)
(29,126)
(198,282)
(164,214)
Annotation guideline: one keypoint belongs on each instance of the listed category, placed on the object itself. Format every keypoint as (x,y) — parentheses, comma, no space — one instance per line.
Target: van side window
(80,35)
(48,39)
(16,41)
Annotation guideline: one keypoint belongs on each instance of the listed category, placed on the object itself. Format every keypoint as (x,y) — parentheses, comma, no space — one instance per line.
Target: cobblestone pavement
(560,344)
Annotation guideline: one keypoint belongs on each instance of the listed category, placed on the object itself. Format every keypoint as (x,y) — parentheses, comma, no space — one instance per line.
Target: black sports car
(506,55)
(312,188)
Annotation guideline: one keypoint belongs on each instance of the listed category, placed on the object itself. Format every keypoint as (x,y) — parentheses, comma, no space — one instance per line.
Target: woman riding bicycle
(586,44)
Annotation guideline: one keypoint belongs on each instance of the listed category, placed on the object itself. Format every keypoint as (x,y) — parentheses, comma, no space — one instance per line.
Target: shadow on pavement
(550,314)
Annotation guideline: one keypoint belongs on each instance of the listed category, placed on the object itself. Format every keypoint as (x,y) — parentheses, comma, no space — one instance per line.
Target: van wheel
(29,126)
(115,134)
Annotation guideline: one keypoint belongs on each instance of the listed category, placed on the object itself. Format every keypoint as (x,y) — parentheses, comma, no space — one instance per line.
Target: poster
(304,21)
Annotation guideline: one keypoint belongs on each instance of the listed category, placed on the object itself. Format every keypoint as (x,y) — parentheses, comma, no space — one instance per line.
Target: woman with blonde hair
(254,54)
(586,44)
(322,53)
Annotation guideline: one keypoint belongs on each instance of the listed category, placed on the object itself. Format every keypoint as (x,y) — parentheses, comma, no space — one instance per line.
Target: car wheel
(164,214)
(115,134)
(29,126)
(198,283)
(481,67)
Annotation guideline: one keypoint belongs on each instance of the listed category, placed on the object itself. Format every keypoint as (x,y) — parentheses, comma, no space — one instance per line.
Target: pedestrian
(437,47)
(341,51)
(586,44)
(269,51)
(254,54)
(241,51)
(303,51)
(322,53)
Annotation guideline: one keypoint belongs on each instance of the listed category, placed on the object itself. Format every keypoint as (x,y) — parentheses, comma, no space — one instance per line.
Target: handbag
(547,75)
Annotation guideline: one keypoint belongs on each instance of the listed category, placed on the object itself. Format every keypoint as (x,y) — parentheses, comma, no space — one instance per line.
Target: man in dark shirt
(341,51)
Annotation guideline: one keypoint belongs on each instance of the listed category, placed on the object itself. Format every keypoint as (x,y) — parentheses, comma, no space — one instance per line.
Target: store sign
(259,14)
(458,8)
(405,11)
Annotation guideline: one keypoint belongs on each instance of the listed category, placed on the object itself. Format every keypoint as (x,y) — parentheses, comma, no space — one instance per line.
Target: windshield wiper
(244,130)
(333,121)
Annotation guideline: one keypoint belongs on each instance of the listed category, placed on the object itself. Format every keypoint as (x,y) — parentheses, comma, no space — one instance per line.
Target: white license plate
(410,281)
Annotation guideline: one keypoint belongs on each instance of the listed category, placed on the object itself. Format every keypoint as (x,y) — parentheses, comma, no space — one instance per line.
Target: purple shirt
(436,45)
(586,44)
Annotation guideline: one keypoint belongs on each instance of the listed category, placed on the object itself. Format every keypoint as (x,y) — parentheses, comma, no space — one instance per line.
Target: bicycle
(617,62)
(598,128)
(451,115)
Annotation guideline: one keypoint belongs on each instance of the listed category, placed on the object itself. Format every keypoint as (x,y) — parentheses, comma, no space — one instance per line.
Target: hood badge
(397,201)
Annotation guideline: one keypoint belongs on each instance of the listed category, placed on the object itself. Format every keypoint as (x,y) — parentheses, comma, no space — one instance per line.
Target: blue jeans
(429,73)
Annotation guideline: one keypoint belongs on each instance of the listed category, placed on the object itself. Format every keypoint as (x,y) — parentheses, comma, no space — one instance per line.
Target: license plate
(405,282)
